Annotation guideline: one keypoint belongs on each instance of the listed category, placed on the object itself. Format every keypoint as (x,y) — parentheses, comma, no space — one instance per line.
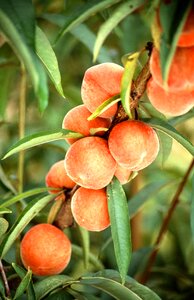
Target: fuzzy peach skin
(169,103)
(133,144)
(100,83)
(76,120)
(186,38)
(45,249)
(90,209)
(181,75)
(89,163)
(57,177)
(122,174)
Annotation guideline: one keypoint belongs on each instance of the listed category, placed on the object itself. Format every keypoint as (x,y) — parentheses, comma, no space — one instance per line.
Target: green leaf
(165,147)
(85,241)
(31,210)
(138,200)
(5,211)
(126,81)
(120,226)
(166,128)
(104,106)
(23,196)
(41,138)
(83,12)
(120,13)
(147,110)
(6,76)
(51,283)
(180,119)
(3,226)
(6,181)
(109,282)
(22,273)
(172,17)
(192,208)
(23,285)
(15,18)
(49,59)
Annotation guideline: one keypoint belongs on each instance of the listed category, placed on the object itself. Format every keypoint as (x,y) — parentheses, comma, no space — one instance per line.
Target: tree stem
(5,281)
(175,200)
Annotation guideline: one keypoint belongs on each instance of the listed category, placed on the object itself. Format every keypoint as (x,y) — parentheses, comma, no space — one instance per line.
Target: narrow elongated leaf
(126,81)
(134,288)
(23,285)
(22,273)
(166,128)
(120,227)
(172,18)
(5,211)
(82,13)
(120,13)
(5,79)
(12,26)
(104,106)
(85,241)
(49,59)
(31,210)
(192,208)
(3,226)
(21,196)
(51,283)
(180,119)
(4,179)
(138,200)
(41,138)
(165,147)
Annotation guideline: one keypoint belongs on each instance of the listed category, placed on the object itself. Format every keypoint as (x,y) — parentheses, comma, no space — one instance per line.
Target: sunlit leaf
(104,106)
(172,18)
(166,128)
(5,211)
(23,285)
(3,226)
(120,227)
(49,59)
(120,13)
(41,138)
(126,81)
(180,119)
(31,210)
(165,147)
(83,12)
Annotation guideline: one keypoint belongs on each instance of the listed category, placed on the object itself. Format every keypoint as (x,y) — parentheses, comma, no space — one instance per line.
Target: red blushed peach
(186,38)
(45,249)
(100,83)
(89,163)
(90,209)
(169,103)
(76,120)
(122,174)
(57,177)
(181,75)
(133,144)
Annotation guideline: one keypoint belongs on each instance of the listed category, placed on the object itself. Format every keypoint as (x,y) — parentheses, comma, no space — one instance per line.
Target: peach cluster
(177,97)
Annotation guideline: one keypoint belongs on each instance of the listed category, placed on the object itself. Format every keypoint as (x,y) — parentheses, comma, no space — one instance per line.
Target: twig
(5,281)
(145,276)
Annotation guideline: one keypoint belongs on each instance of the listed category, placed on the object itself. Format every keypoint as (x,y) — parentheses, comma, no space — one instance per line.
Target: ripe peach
(122,174)
(100,83)
(57,177)
(186,38)
(169,103)
(133,144)
(90,209)
(76,120)
(181,75)
(89,163)
(45,249)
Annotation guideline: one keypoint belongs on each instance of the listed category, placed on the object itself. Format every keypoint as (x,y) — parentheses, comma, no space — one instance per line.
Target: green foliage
(60,40)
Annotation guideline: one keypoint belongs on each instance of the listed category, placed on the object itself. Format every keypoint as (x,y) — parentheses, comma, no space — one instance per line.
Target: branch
(146,274)
(5,281)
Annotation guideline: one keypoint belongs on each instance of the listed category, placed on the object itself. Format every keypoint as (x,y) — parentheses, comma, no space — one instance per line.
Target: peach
(100,83)
(76,120)
(169,103)
(186,38)
(45,249)
(133,144)
(57,177)
(181,75)
(90,209)
(89,163)
(122,174)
